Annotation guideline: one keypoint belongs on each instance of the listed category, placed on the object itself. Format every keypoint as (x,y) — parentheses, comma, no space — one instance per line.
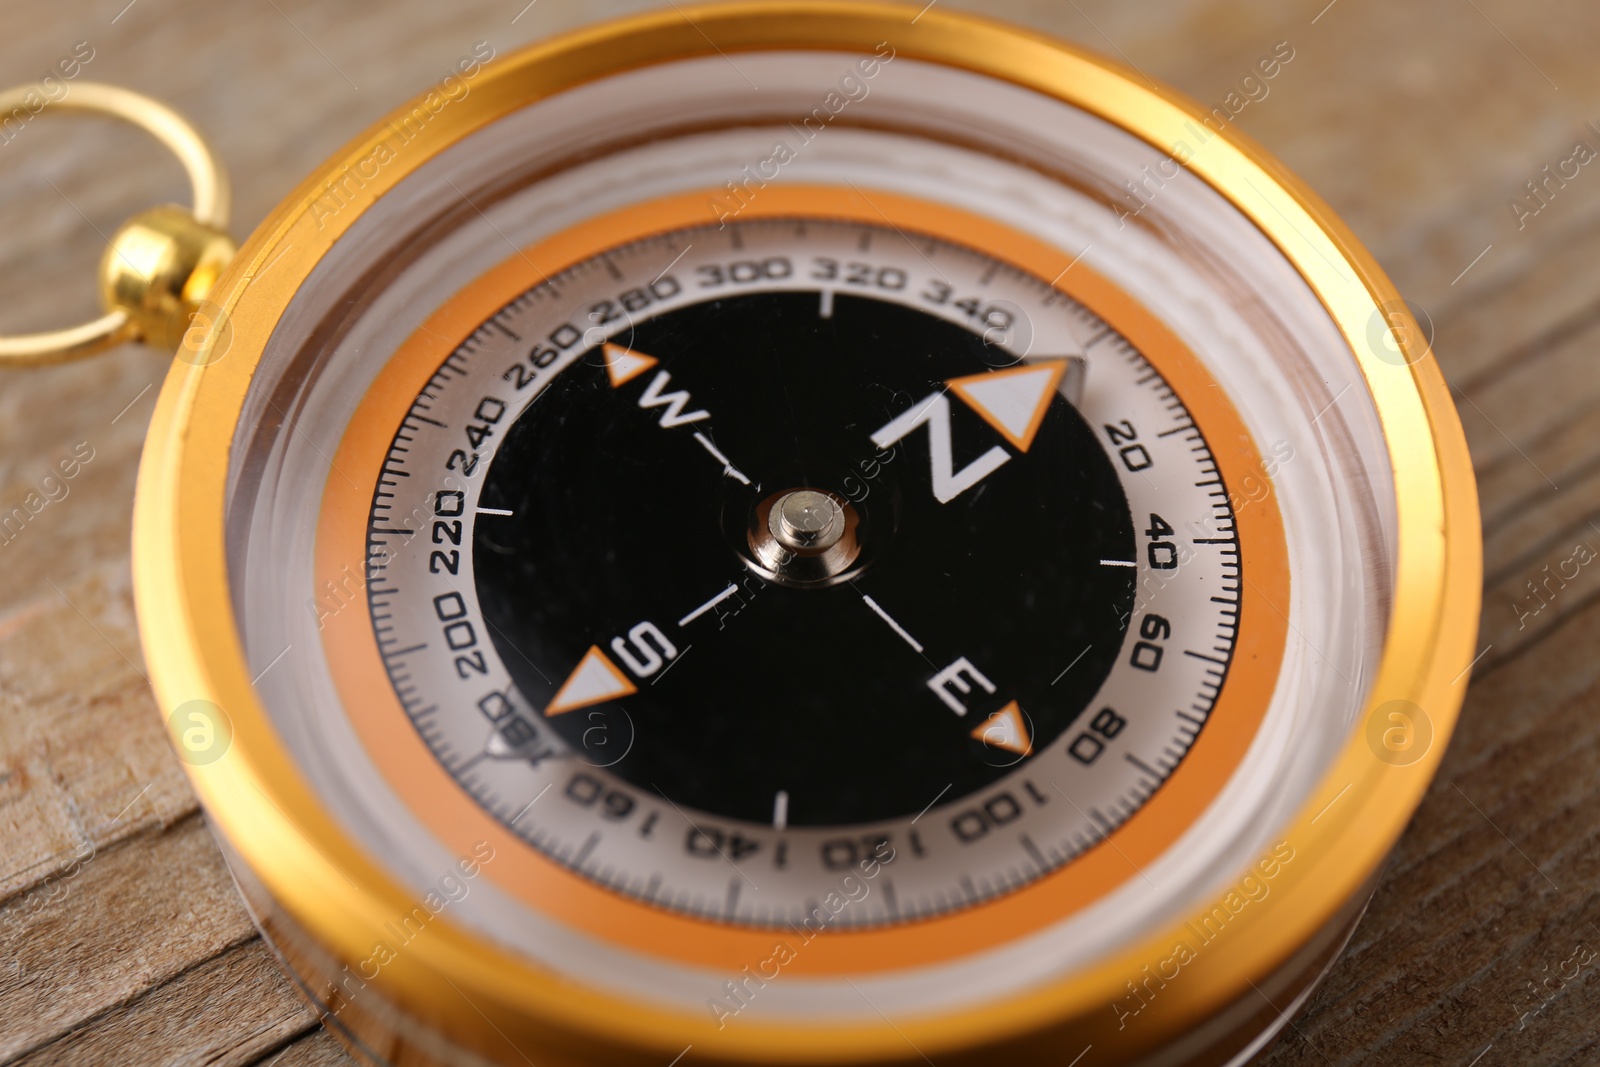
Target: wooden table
(121,937)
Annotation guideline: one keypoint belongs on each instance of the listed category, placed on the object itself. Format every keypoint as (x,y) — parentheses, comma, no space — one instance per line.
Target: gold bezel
(454,980)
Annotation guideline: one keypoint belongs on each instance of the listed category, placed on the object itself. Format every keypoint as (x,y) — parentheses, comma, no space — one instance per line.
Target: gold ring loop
(210,203)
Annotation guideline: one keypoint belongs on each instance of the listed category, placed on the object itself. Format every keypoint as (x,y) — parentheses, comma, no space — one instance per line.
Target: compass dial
(773,547)
(806,703)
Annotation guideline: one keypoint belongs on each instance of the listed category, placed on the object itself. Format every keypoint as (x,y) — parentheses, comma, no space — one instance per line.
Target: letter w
(947,483)
(674,402)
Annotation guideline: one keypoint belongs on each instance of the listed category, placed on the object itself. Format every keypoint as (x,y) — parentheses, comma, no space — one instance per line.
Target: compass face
(803,702)
(797,543)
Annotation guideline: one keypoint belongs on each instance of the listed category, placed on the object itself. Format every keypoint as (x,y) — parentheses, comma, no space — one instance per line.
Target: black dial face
(812,571)
(723,561)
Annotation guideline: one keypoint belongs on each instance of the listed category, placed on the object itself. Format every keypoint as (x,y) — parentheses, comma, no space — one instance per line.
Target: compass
(729,542)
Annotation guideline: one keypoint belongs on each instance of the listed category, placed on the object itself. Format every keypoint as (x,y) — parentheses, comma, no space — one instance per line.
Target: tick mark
(896,627)
(583,853)
(728,468)
(708,605)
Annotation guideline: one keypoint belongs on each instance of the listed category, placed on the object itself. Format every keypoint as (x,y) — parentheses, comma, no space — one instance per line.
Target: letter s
(636,653)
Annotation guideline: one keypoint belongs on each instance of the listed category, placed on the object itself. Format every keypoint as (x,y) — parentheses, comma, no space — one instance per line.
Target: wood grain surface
(122,939)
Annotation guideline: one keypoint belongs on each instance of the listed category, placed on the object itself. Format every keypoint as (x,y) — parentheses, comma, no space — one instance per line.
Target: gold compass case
(408,969)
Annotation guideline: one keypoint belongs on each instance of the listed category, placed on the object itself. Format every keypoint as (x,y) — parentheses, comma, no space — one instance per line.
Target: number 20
(1123,435)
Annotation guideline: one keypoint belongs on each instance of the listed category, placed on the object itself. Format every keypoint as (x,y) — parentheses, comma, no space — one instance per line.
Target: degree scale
(640,566)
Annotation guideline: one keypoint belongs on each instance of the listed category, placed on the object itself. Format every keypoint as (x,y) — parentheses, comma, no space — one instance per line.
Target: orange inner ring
(565,896)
